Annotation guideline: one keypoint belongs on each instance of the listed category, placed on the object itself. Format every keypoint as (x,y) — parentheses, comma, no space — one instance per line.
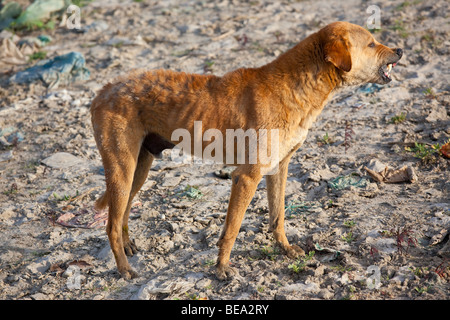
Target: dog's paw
(128,274)
(294,251)
(225,272)
(130,248)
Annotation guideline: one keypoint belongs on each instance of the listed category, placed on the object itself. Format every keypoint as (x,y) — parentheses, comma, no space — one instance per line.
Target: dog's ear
(337,52)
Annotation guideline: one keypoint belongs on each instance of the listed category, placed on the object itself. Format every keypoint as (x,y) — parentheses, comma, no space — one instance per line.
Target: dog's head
(355,52)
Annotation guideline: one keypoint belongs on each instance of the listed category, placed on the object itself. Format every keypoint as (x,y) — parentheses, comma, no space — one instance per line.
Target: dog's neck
(295,68)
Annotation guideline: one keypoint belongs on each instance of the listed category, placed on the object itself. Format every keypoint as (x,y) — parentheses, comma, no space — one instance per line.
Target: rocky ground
(366,239)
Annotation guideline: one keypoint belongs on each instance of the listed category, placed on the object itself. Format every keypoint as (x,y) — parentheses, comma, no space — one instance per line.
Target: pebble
(163,286)
(7,155)
(438,113)
(170,182)
(325,294)
(62,160)
(41,296)
(301,287)
(319,271)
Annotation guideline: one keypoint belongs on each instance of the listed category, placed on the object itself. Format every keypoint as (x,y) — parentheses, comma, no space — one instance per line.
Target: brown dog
(134,119)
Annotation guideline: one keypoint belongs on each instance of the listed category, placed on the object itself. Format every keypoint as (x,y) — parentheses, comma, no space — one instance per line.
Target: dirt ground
(366,239)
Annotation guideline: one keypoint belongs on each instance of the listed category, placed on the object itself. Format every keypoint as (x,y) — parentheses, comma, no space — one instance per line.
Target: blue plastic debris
(351,180)
(10,135)
(44,38)
(61,70)
(370,88)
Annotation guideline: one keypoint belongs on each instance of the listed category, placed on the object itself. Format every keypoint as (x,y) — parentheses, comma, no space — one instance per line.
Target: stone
(171,181)
(437,114)
(5,156)
(62,160)
(320,270)
(163,286)
(299,287)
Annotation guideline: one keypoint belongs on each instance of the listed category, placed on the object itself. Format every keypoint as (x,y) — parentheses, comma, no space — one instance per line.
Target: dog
(134,118)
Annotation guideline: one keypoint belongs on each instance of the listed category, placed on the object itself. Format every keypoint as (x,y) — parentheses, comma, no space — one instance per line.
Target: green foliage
(325,140)
(300,264)
(422,151)
(39,55)
(192,192)
(399,118)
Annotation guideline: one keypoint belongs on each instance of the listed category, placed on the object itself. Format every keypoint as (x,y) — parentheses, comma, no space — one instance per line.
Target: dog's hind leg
(120,150)
(144,163)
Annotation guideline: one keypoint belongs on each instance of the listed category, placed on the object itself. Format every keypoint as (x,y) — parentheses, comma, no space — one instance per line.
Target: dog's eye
(372,44)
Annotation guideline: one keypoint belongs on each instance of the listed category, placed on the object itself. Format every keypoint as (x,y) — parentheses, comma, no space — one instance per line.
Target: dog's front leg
(276,185)
(245,180)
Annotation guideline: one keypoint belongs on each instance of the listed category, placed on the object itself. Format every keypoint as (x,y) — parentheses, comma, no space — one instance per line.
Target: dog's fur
(134,117)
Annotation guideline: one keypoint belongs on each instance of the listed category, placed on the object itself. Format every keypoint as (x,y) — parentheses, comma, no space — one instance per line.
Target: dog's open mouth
(385,71)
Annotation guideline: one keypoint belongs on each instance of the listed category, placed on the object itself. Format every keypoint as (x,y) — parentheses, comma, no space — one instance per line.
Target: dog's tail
(101,202)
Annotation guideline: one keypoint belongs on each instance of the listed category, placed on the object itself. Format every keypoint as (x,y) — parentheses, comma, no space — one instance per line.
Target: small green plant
(83,3)
(348,237)
(325,140)
(64,197)
(12,190)
(419,272)
(209,263)
(41,253)
(421,290)
(329,204)
(209,287)
(403,5)
(32,25)
(429,93)
(31,165)
(208,66)
(400,27)
(424,152)
(192,192)
(375,30)
(399,118)
(341,268)
(39,55)
(118,44)
(427,37)
(300,264)
(269,252)
(349,223)
(193,296)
